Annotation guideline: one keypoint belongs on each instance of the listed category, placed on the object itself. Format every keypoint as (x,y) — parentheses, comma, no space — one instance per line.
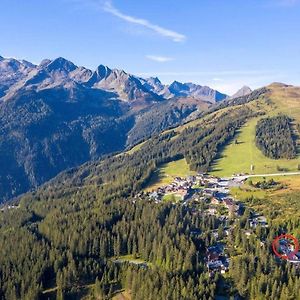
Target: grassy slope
(167,172)
(239,158)
(290,183)
(124,295)
(135,148)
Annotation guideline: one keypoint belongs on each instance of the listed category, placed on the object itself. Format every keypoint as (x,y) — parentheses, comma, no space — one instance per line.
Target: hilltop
(242,153)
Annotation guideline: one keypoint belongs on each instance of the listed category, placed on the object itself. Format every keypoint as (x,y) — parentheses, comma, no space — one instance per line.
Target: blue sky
(221,43)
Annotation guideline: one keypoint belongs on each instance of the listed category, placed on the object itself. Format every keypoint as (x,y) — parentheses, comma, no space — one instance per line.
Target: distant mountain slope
(178,89)
(128,87)
(12,71)
(244,91)
(169,113)
(57,115)
(192,141)
(45,132)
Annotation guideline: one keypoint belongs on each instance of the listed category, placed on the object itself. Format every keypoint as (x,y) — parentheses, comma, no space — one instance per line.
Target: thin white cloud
(173,35)
(158,58)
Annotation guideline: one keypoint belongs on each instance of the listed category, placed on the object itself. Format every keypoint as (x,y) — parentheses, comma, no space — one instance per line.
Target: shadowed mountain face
(55,115)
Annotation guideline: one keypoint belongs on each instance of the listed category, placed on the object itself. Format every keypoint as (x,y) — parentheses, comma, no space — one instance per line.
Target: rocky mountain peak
(125,86)
(154,80)
(244,91)
(103,71)
(44,63)
(61,64)
(27,64)
(12,71)
(177,86)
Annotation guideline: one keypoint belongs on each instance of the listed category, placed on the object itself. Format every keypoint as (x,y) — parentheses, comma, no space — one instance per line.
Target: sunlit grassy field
(124,295)
(238,158)
(171,198)
(288,184)
(167,172)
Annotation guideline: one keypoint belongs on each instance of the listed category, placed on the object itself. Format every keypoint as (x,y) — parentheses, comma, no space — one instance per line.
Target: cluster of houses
(228,202)
(205,186)
(257,220)
(181,188)
(216,260)
(287,248)
(215,193)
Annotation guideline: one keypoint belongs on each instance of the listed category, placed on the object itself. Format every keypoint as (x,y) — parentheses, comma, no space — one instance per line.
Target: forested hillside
(127,173)
(274,137)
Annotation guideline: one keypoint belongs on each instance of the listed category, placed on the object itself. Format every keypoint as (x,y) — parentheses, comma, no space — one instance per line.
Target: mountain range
(56,115)
(16,75)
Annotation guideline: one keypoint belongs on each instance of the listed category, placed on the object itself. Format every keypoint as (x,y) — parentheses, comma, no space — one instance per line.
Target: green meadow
(238,157)
(167,172)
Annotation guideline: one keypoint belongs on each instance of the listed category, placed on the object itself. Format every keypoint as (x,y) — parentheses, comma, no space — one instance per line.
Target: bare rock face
(12,71)
(127,86)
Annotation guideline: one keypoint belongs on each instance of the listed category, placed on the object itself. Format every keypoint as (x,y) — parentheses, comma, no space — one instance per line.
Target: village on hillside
(201,187)
(214,192)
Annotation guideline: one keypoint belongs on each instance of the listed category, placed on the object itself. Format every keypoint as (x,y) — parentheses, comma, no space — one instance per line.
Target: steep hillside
(57,115)
(169,113)
(242,154)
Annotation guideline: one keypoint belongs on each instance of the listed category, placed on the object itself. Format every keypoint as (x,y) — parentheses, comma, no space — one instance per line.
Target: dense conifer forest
(274,137)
